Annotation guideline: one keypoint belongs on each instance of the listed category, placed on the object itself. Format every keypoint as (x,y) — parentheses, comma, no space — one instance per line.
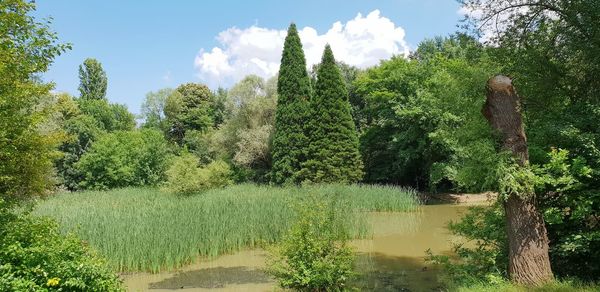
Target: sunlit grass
(554,286)
(144,229)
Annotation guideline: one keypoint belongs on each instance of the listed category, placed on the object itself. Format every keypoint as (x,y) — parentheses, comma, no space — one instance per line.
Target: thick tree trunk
(529,263)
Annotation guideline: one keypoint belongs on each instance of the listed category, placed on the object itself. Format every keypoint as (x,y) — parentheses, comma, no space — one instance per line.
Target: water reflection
(212,278)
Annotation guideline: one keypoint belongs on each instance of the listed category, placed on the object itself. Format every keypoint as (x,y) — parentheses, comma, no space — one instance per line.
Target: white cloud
(362,41)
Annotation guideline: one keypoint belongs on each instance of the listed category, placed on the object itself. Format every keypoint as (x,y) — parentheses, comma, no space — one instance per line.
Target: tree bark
(529,262)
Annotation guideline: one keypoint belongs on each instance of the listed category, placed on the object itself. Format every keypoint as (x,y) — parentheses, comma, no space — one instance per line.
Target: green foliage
(128,228)
(188,108)
(112,117)
(82,131)
(506,286)
(34,256)
(83,121)
(219,106)
(314,255)
(333,154)
(121,159)
(484,255)
(290,139)
(569,211)
(202,144)
(153,108)
(422,118)
(27,48)
(92,80)
(570,208)
(186,176)
(245,136)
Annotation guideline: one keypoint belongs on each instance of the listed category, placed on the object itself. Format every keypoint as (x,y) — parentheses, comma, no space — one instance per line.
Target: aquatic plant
(144,229)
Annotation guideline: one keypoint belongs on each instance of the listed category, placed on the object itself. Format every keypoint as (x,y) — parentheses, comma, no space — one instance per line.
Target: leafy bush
(570,205)
(314,255)
(34,256)
(570,210)
(82,131)
(121,159)
(186,177)
(112,117)
(488,259)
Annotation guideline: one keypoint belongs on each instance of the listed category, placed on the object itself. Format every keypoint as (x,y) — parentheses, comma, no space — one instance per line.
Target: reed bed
(144,229)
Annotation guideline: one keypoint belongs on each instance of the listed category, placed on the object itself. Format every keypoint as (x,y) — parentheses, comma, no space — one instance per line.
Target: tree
(333,154)
(528,259)
(551,50)
(153,108)
(188,108)
(244,138)
(27,48)
(110,116)
(82,131)
(92,80)
(418,114)
(219,107)
(290,140)
(124,158)
(357,102)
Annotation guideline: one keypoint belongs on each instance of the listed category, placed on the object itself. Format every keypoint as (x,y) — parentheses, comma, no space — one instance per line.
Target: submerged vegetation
(144,229)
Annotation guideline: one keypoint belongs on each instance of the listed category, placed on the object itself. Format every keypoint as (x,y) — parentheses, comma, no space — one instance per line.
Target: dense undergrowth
(144,229)
(34,256)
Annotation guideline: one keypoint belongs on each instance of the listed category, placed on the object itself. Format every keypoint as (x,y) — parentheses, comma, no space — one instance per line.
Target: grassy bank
(555,286)
(142,229)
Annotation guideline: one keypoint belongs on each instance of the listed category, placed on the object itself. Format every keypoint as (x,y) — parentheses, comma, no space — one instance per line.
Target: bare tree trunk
(528,260)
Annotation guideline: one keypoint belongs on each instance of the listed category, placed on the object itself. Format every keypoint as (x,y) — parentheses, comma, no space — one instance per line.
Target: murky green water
(392,261)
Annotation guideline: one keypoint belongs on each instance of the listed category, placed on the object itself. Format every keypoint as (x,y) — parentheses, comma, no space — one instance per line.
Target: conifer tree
(290,140)
(333,154)
(92,80)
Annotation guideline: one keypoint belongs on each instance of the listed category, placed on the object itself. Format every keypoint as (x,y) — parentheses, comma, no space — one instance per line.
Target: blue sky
(148,45)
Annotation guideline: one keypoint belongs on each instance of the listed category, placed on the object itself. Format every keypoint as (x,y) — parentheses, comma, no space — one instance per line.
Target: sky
(148,45)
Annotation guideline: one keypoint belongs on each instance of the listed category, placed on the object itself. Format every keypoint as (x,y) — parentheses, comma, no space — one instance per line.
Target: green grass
(143,229)
(555,286)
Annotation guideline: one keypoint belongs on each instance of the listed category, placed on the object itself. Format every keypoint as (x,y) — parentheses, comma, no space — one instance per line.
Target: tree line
(413,121)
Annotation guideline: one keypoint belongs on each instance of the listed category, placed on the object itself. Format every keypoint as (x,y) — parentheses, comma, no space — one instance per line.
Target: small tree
(120,159)
(333,154)
(314,255)
(27,48)
(92,80)
(189,107)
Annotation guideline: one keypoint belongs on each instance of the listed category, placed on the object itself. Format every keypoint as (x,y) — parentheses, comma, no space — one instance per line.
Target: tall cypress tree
(290,141)
(333,151)
(92,80)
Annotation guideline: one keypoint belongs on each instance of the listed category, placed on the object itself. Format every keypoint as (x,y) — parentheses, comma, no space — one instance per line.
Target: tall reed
(144,229)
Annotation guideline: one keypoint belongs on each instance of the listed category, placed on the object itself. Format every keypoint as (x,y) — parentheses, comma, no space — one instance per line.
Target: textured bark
(529,263)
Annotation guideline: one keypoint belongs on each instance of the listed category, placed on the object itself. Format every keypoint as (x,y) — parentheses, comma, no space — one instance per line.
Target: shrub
(35,257)
(487,261)
(569,210)
(218,174)
(314,255)
(112,117)
(186,177)
(121,159)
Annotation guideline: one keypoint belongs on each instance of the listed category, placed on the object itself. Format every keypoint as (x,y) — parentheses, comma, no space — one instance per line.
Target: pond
(393,260)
